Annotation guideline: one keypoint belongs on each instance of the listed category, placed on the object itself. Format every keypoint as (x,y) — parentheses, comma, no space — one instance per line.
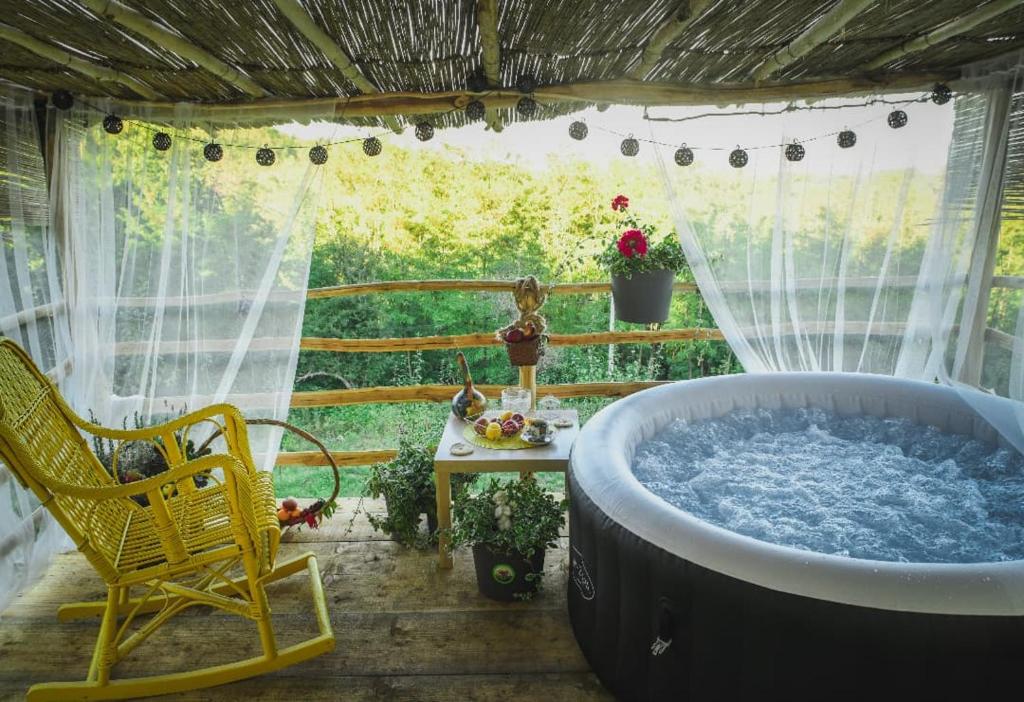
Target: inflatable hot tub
(668,607)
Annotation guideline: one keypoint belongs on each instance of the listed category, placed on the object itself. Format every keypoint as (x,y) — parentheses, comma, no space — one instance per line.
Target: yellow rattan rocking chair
(177,551)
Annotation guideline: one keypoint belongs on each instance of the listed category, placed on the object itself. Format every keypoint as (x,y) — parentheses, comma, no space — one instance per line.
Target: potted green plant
(510,525)
(642,268)
(407,485)
(138,460)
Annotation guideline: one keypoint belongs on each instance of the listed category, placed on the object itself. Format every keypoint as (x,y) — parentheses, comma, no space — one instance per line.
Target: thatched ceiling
(434,45)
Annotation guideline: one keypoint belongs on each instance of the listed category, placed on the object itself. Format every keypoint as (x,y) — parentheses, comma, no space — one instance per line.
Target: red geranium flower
(620,202)
(632,243)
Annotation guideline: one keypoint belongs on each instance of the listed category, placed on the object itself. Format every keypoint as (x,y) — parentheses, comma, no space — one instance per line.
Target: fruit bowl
(497,426)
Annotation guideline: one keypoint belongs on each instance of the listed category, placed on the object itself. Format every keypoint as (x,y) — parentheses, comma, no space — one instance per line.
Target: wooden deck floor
(405,631)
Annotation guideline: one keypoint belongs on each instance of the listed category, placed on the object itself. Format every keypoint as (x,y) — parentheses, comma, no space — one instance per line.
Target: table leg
(444,517)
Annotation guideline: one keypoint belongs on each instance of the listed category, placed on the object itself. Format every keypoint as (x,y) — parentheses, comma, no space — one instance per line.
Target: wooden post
(528,380)
(970,351)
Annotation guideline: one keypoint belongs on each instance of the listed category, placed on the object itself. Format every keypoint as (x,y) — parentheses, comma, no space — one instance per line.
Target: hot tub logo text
(580,576)
(503,573)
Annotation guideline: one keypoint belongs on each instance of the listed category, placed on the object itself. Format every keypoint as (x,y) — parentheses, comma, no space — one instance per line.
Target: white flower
(500,497)
(506,511)
(498,512)
(504,524)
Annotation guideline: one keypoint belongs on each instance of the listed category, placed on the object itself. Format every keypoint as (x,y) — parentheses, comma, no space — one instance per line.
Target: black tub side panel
(732,640)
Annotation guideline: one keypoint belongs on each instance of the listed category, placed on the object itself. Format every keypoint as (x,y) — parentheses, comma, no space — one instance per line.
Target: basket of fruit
(524,344)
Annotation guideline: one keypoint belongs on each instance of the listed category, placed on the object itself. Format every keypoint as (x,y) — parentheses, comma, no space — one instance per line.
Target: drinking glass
(549,406)
(515,399)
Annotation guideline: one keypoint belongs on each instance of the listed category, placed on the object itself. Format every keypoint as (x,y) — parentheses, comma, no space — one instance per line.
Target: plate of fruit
(505,425)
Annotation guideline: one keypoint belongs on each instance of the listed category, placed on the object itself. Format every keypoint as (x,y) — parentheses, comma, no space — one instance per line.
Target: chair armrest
(229,412)
(228,463)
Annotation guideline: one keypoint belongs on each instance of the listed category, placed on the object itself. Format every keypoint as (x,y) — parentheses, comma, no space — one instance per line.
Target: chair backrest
(41,445)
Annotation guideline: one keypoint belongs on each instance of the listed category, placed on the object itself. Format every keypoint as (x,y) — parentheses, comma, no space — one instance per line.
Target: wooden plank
(948,30)
(23,317)
(1014,282)
(619,91)
(444,393)
(401,626)
(490,55)
(172,41)
(463,341)
(463,285)
(665,35)
(75,63)
(342,458)
(828,25)
(999,338)
(298,16)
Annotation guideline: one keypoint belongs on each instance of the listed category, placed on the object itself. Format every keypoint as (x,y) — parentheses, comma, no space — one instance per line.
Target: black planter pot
(502,576)
(643,298)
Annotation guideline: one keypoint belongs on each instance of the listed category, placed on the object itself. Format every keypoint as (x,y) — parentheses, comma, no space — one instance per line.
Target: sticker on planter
(580,576)
(503,573)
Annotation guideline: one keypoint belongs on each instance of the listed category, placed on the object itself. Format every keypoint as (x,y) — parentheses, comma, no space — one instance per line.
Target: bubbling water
(864,487)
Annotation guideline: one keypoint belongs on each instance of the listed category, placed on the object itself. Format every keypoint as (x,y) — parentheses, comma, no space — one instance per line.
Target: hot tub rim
(601,467)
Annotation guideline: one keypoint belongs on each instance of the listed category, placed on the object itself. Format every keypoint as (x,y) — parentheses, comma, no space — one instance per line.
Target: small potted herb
(642,268)
(138,460)
(407,485)
(510,525)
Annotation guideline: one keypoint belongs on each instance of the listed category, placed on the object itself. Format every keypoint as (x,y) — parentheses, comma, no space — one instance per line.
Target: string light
(265,156)
(372,146)
(578,130)
(112,124)
(897,119)
(424,131)
(683,156)
(318,155)
(161,141)
(213,152)
(738,158)
(475,110)
(527,107)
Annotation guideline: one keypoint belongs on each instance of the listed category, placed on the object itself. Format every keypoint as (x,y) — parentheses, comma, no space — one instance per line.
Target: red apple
(514,336)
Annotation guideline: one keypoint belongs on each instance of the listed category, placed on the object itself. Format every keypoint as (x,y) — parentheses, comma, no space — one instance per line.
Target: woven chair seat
(202,519)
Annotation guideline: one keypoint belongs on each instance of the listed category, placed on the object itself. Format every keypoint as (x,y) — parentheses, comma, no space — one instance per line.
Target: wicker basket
(525,353)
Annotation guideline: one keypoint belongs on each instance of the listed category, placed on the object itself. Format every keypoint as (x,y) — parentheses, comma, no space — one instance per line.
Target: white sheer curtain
(32,314)
(996,369)
(849,260)
(186,278)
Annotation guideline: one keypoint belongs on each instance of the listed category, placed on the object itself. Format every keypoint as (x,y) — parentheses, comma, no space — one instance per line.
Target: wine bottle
(468,403)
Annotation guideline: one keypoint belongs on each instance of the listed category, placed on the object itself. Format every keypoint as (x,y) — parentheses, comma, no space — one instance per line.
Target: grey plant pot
(643,298)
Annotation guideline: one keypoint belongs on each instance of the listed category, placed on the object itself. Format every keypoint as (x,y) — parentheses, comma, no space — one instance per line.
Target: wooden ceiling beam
(103,74)
(829,24)
(624,91)
(490,54)
(298,16)
(127,17)
(665,35)
(955,26)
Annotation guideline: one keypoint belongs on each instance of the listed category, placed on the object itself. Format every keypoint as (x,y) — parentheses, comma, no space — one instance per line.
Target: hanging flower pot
(524,346)
(643,298)
(642,268)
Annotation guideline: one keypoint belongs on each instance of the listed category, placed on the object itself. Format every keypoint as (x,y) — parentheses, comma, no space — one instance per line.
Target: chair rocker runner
(177,551)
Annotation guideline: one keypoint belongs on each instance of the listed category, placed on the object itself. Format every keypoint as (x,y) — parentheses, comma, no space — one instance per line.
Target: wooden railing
(443,393)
